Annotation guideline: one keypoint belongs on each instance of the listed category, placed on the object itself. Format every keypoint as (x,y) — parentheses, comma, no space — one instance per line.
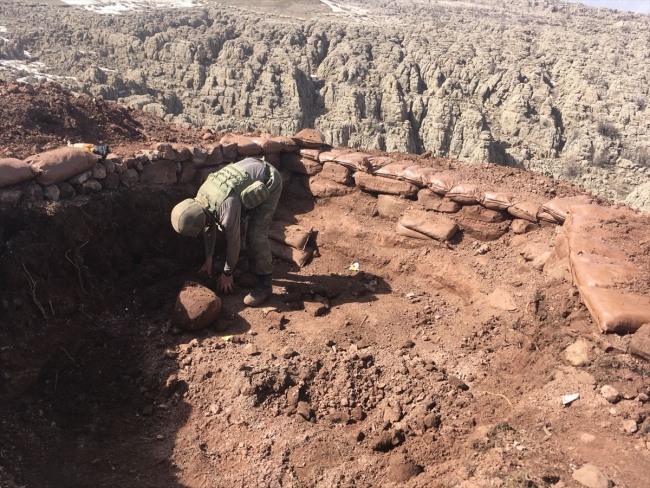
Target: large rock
(196,307)
(401,468)
(580,353)
(159,172)
(592,477)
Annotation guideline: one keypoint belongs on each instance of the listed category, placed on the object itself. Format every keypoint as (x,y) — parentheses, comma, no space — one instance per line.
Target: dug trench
(436,364)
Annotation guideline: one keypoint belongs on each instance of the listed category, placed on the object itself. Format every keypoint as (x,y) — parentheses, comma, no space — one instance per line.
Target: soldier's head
(188,218)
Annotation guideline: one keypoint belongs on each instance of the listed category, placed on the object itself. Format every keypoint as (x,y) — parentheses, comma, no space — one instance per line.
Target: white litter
(568,399)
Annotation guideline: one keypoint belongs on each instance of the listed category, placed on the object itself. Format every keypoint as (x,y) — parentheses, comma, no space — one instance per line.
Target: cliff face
(556,88)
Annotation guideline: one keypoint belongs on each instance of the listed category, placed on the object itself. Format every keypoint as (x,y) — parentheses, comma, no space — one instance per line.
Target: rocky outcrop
(554,87)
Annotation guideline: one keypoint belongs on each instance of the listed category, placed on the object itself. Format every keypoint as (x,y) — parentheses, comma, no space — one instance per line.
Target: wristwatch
(228,273)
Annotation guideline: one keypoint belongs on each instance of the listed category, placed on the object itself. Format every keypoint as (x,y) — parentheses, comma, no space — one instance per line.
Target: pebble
(288,352)
(251,349)
(357,413)
(630,426)
(401,468)
(339,418)
(610,394)
(304,410)
(293,396)
(315,309)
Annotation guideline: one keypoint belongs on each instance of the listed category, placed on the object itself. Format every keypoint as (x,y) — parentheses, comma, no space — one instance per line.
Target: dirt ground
(416,375)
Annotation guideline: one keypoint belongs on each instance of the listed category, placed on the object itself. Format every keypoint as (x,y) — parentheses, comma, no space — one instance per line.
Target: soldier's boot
(261,292)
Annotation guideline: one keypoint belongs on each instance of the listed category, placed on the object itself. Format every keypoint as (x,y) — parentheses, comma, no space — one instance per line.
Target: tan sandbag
(377,184)
(594,270)
(310,154)
(309,138)
(465,194)
(406,232)
(58,165)
(393,170)
(289,254)
(547,217)
(559,207)
(321,187)
(268,144)
(441,183)
(524,210)
(288,144)
(583,244)
(616,310)
(377,162)
(337,173)
(496,200)
(430,224)
(245,145)
(356,161)
(296,163)
(295,236)
(14,171)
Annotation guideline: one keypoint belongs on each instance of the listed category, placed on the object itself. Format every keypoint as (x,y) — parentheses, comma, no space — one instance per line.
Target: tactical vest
(231,178)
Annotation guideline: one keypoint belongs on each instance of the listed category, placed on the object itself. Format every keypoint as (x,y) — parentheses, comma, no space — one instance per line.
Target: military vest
(231,178)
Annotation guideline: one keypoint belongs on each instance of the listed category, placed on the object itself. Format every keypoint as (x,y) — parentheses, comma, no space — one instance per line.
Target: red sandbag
(547,217)
(441,183)
(496,200)
(393,170)
(296,163)
(288,144)
(524,210)
(14,171)
(465,194)
(377,184)
(310,153)
(559,207)
(337,173)
(268,144)
(594,270)
(616,310)
(289,254)
(377,162)
(418,175)
(309,138)
(356,161)
(430,224)
(245,145)
(331,155)
(406,232)
(60,164)
(290,235)
(583,244)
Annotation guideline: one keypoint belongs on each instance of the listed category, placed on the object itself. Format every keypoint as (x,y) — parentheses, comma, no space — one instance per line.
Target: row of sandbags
(601,271)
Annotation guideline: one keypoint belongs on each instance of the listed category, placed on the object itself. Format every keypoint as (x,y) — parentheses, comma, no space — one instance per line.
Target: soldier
(240,199)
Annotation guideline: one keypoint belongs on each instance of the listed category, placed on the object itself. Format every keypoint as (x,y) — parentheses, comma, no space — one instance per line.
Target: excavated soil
(415,377)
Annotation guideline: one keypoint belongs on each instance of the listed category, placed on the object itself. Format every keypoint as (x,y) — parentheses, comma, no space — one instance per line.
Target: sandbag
(559,207)
(465,194)
(589,270)
(377,184)
(320,186)
(418,175)
(496,200)
(377,162)
(274,160)
(583,244)
(406,232)
(310,153)
(521,226)
(14,171)
(430,224)
(393,170)
(337,173)
(268,144)
(309,138)
(288,144)
(602,213)
(547,217)
(432,201)
(616,310)
(356,161)
(441,183)
(60,164)
(478,212)
(289,254)
(245,145)
(332,154)
(483,231)
(295,236)
(524,210)
(296,163)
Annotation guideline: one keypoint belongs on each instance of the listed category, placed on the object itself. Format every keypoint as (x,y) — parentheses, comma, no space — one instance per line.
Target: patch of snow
(33,70)
(26,53)
(117,7)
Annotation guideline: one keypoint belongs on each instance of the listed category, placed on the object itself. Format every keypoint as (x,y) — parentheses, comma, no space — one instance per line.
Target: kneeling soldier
(250,188)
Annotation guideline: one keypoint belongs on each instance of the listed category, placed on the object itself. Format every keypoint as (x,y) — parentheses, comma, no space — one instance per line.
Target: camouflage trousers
(255,225)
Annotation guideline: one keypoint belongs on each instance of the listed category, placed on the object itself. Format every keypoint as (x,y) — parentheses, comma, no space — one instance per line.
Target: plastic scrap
(568,399)
(354,267)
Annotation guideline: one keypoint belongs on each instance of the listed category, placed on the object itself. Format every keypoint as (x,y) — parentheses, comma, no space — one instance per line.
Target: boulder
(590,476)
(197,307)
(160,172)
(401,468)
(640,343)
(111,182)
(310,138)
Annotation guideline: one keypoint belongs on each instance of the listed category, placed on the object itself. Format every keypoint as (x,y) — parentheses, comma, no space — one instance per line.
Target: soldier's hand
(225,284)
(207,267)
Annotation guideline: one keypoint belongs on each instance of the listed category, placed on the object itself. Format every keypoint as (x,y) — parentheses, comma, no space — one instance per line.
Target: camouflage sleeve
(229,219)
